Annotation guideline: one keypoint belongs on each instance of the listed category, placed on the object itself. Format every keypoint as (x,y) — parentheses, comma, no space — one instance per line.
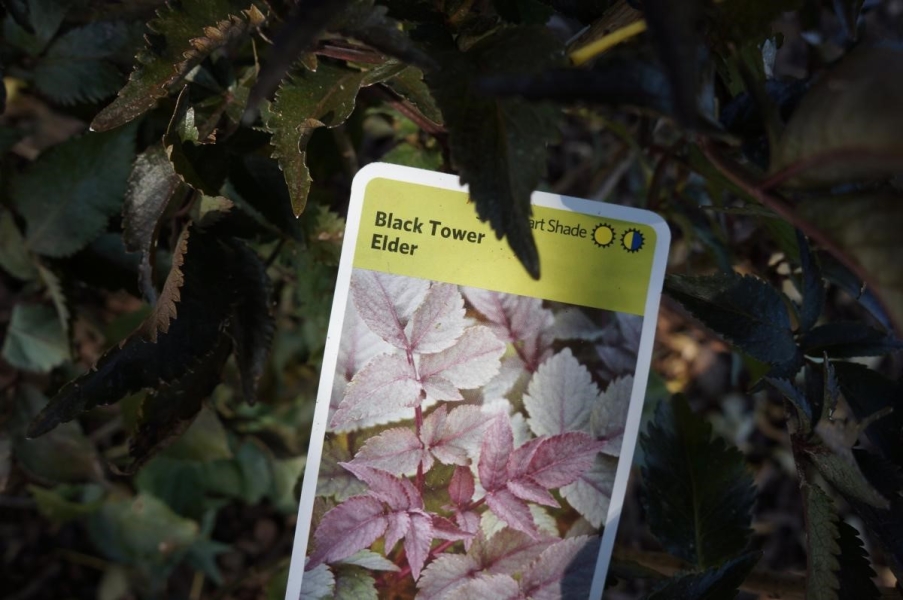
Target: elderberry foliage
(174,177)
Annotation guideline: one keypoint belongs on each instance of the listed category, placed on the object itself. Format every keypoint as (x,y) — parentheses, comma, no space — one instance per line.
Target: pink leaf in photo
(438,388)
(512,318)
(398,525)
(347,528)
(387,383)
(564,570)
(461,486)
(439,320)
(561,459)
(527,489)
(590,494)
(470,363)
(397,451)
(457,436)
(496,587)
(508,551)
(560,396)
(609,415)
(386,302)
(498,444)
(443,575)
(468,521)
(417,541)
(512,510)
(444,529)
(398,493)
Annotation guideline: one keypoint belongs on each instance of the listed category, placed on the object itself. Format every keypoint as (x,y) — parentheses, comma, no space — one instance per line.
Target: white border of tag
(333,337)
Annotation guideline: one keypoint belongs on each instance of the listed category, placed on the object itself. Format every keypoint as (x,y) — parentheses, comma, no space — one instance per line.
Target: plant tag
(474,427)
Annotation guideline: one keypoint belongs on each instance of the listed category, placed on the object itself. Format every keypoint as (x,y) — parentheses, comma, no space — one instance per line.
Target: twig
(732,172)
(817,160)
(406,109)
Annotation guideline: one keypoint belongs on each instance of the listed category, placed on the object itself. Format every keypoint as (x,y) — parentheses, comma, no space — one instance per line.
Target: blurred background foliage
(173,186)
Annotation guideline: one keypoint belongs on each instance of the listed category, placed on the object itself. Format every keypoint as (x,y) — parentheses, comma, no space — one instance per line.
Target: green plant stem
(734,172)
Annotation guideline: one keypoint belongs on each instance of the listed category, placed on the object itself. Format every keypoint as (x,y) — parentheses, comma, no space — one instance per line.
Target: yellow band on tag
(433,233)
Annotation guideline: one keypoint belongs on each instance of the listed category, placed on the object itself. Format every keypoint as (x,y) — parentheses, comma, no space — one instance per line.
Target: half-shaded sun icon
(603,235)
(632,240)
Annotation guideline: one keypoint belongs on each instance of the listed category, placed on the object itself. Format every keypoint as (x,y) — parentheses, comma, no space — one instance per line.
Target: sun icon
(632,240)
(603,235)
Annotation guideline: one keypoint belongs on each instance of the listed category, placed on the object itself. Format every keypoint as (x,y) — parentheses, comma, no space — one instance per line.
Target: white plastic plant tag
(474,427)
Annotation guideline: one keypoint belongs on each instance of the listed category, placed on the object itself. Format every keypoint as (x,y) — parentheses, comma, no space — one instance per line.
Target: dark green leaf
(262,192)
(35,340)
(304,24)
(847,127)
(46,16)
(71,191)
(848,340)
(867,392)
(855,571)
(842,277)
(66,455)
(813,288)
(529,12)
(746,311)
(74,68)
(151,184)
(304,102)
(498,144)
(675,31)
(252,319)
(868,228)
(698,494)
(14,257)
(133,531)
(719,582)
(886,526)
(169,410)
(409,84)
(182,36)
(822,544)
(184,325)
(65,503)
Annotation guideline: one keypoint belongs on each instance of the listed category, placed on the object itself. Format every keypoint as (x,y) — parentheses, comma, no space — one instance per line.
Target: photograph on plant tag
(487,421)
(475,421)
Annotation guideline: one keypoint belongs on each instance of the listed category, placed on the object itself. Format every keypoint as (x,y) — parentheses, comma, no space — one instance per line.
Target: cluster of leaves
(530,419)
(238,116)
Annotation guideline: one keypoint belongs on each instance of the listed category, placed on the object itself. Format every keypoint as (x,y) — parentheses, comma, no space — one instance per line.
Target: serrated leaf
(182,35)
(35,340)
(822,544)
(560,396)
(718,582)
(386,384)
(169,410)
(184,325)
(563,570)
(608,419)
(355,583)
(590,494)
(454,437)
(252,320)
(317,583)
(46,16)
(348,528)
(497,144)
(335,480)
(698,493)
(370,560)
(848,340)
(438,321)
(469,364)
(813,287)
(387,302)
(409,84)
(71,191)
(885,526)
(867,228)
(201,165)
(857,100)
(57,291)
(745,310)
(808,411)
(856,574)
(398,451)
(304,102)
(74,68)
(151,184)
(498,587)
(371,25)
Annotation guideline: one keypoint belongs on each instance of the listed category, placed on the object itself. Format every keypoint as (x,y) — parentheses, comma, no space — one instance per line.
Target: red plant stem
(418,421)
(732,172)
(818,160)
(351,54)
